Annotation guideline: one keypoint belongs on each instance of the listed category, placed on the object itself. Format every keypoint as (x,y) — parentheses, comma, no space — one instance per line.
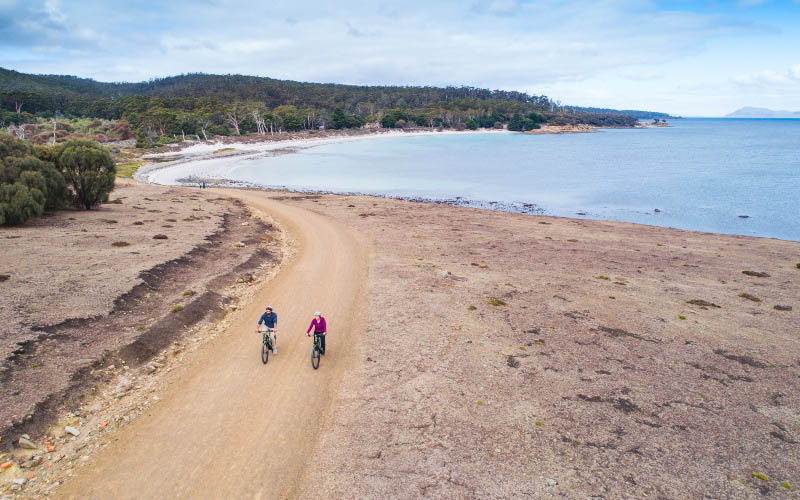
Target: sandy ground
(508,355)
(229,426)
(477,353)
(254,146)
(257,143)
(85,287)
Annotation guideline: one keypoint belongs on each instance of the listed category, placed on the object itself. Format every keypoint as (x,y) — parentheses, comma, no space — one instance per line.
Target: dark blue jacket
(269,319)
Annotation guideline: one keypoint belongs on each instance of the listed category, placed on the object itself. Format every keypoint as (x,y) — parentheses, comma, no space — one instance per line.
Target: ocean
(716,175)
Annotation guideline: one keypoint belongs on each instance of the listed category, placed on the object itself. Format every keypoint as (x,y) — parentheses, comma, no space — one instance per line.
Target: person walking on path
(320,328)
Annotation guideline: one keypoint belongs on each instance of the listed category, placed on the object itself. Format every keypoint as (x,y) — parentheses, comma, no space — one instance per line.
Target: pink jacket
(318,326)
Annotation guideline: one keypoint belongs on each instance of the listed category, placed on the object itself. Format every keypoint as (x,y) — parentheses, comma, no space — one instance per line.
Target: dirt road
(229,426)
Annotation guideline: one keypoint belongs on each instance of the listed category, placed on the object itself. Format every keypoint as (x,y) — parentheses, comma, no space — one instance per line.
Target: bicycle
(316,350)
(266,344)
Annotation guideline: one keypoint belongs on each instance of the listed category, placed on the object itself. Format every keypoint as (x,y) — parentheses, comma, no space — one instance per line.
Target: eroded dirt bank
(114,286)
(225,425)
(503,355)
(509,355)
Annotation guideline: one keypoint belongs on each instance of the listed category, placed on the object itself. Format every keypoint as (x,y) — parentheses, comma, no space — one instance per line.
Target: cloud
(43,24)
(496,43)
(535,46)
(770,78)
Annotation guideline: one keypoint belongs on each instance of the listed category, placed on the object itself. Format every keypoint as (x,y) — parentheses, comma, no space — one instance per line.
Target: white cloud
(768,78)
(598,52)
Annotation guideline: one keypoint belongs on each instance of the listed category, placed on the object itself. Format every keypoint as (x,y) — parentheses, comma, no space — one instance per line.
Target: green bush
(393,117)
(10,146)
(522,123)
(89,170)
(32,180)
(18,203)
(34,172)
(23,185)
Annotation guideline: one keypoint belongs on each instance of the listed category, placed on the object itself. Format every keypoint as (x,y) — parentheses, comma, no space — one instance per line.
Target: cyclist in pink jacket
(320,328)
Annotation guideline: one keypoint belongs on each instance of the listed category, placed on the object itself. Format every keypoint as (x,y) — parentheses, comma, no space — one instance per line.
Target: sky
(685,57)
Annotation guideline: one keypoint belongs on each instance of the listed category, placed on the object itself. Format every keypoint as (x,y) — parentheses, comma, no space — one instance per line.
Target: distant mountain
(750,112)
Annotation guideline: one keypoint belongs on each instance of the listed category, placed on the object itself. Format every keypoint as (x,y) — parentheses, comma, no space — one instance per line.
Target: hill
(203,104)
(635,113)
(750,112)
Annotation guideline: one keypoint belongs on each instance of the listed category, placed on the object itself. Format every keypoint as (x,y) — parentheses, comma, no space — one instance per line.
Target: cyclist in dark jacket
(270,320)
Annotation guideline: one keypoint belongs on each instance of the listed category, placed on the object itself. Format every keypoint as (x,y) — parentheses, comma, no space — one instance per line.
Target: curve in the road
(228,426)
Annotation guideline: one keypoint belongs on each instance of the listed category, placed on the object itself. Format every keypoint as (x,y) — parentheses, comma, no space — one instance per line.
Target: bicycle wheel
(315,356)
(264,352)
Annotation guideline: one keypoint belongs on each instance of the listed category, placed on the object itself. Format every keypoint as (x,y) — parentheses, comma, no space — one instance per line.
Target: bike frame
(267,334)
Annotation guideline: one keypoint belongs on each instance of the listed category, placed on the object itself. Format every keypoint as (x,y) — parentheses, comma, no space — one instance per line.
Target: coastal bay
(727,176)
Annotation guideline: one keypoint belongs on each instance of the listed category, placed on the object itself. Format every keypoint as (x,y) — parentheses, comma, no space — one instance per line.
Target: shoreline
(556,297)
(265,143)
(456,201)
(270,146)
(219,165)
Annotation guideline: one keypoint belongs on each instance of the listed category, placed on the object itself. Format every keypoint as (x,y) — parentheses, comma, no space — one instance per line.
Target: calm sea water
(701,174)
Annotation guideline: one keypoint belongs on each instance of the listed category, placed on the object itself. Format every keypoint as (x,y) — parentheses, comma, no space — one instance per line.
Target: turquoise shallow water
(702,174)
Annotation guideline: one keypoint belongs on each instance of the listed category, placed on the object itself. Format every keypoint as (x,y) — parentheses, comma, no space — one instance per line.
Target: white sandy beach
(197,158)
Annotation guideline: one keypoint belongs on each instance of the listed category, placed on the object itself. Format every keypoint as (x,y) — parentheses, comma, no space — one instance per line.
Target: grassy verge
(127,170)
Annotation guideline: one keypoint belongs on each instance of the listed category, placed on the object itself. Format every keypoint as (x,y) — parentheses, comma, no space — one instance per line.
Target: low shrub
(748,296)
(18,203)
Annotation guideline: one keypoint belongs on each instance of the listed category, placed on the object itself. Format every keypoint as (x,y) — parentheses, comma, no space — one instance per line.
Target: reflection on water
(697,174)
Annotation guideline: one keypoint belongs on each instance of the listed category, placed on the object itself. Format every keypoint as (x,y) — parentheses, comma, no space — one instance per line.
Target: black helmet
(269,308)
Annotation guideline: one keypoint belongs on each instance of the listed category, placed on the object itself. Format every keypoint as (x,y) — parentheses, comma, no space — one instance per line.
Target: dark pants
(321,340)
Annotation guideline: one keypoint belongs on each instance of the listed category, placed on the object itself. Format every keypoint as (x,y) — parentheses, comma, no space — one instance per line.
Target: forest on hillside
(201,105)
(635,113)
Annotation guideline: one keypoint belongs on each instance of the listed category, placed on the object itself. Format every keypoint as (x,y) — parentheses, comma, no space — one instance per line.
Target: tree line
(200,105)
